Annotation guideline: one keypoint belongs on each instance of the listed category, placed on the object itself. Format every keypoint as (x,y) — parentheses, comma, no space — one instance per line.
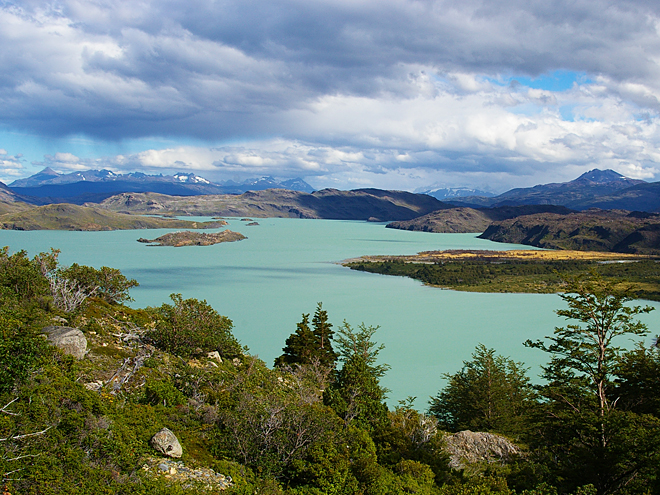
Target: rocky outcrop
(467,448)
(167,443)
(177,472)
(70,340)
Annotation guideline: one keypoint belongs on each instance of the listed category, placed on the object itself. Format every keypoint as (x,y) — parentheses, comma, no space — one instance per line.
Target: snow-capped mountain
(444,193)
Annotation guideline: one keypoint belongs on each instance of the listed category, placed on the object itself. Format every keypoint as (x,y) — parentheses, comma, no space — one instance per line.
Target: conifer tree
(356,395)
(307,345)
(300,346)
(324,335)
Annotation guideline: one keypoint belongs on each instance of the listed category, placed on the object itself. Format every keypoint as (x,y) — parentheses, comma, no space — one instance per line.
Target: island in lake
(187,238)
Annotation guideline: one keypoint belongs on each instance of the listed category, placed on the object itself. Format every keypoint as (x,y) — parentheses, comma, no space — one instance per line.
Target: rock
(166,443)
(467,447)
(214,355)
(70,340)
(176,472)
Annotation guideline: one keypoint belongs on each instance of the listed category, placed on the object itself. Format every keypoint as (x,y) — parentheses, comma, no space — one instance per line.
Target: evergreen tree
(300,346)
(356,395)
(491,393)
(324,335)
(307,345)
(637,382)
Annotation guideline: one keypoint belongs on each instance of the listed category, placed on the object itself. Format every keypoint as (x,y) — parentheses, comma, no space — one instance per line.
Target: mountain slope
(73,217)
(464,220)
(593,230)
(361,204)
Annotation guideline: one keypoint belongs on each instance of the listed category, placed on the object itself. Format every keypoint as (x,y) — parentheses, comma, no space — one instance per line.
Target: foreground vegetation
(315,423)
(518,271)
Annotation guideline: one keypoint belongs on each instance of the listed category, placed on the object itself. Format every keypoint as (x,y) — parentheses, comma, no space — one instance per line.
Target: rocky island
(187,238)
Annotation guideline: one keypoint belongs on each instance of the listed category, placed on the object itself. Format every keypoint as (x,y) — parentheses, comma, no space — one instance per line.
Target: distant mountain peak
(190,178)
(598,176)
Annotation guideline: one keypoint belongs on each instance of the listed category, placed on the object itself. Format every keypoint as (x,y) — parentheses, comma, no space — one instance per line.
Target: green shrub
(190,327)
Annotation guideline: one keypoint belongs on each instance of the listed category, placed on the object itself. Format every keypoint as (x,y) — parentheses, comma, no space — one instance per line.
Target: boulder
(166,443)
(466,448)
(214,355)
(70,340)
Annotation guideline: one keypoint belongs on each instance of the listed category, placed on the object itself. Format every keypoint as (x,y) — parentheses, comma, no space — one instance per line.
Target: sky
(395,94)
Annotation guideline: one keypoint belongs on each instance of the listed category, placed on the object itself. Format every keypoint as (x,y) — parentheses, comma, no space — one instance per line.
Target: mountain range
(592,189)
(49,186)
(449,193)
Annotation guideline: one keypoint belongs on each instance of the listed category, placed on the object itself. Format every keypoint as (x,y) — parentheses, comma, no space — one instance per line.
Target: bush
(190,327)
(105,283)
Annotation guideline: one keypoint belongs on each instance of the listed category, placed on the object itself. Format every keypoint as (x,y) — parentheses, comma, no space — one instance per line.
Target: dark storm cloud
(120,69)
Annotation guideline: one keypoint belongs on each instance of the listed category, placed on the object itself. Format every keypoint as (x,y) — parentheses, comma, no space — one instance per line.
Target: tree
(356,394)
(637,383)
(324,334)
(300,346)
(586,437)
(490,393)
(306,345)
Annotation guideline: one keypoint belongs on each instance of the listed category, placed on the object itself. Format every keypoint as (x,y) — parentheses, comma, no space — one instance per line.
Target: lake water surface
(286,266)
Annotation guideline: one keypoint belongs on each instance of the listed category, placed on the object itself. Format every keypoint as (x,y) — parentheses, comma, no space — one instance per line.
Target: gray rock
(166,443)
(70,340)
(467,448)
(214,355)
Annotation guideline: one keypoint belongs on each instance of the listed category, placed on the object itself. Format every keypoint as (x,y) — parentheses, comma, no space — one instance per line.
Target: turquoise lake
(286,266)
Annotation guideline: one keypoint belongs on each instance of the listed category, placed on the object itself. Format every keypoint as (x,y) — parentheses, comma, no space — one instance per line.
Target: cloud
(341,92)
(11,167)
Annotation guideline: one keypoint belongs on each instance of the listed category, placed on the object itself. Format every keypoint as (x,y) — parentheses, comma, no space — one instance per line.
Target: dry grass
(517,254)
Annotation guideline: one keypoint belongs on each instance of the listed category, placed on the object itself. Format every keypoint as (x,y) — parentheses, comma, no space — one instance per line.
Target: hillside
(360,204)
(464,220)
(593,230)
(73,217)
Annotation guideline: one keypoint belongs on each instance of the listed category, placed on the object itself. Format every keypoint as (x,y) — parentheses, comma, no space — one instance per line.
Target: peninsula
(523,271)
